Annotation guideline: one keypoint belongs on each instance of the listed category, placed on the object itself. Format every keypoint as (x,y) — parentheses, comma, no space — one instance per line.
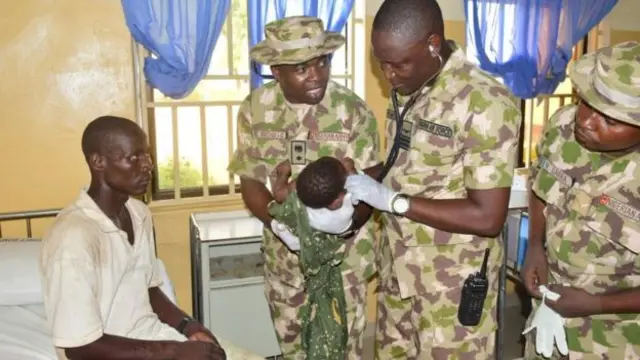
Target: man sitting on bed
(99,270)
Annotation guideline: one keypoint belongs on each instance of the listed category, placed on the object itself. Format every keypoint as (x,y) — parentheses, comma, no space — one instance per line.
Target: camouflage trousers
(426,326)
(592,339)
(285,302)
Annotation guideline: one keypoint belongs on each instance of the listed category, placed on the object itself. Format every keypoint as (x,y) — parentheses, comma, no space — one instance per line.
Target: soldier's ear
(275,71)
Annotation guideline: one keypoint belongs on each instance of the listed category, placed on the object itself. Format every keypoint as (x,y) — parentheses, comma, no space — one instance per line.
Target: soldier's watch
(400,204)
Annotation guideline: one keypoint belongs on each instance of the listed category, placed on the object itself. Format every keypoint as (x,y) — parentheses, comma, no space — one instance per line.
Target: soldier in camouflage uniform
(446,197)
(300,117)
(585,204)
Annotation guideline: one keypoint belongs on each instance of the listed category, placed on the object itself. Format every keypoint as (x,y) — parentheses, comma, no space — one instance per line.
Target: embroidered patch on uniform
(557,173)
(298,152)
(620,207)
(270,134)
(329,136)
(436,129)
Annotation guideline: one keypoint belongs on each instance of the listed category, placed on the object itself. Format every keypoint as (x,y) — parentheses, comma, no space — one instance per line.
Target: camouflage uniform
(464,136)
(272,130)
(593,213)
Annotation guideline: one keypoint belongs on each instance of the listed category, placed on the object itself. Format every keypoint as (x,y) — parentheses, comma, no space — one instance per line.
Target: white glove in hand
(332,221)
(281,231)
(367,189)
(549,326)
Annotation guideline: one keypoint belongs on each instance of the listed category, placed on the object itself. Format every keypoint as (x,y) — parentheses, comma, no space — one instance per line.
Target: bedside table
(227,279)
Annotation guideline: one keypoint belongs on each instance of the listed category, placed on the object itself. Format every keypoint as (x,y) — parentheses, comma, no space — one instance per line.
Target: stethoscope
(399,119)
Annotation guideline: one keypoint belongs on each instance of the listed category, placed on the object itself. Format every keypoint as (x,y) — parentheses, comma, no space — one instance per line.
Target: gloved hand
(332,221)
(549,326)
(365,188)
(281,231)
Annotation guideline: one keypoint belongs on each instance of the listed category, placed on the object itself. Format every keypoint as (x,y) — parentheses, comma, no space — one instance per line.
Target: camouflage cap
(609,81)
(294,40)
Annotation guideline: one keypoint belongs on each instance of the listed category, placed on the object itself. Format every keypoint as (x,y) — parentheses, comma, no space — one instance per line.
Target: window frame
(146,105)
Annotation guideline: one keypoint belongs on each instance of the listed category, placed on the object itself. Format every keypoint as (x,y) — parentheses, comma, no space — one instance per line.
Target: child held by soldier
(319,185)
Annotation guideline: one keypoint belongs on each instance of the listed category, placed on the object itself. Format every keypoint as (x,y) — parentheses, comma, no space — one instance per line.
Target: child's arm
(349,165)
(281,186)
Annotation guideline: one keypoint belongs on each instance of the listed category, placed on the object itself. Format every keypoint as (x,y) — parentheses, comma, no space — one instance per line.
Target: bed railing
(27,216)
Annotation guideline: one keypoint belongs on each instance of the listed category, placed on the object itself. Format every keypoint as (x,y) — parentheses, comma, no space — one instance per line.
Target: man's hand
(199,350)
(196,331)
(281,231)
(365,188)
(535,270)
(574,302)
(332,221)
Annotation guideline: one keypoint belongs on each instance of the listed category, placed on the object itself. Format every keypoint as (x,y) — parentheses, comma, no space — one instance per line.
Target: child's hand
(282,187)
(349,165)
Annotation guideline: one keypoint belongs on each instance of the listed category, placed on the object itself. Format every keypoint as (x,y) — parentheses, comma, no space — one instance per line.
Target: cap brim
(263,54)
(582,77)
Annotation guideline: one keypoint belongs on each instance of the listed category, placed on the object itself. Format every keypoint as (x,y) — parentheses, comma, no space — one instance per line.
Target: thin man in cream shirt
(94,281)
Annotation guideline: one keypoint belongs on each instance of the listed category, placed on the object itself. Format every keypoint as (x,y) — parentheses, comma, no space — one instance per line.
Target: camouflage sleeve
(246,161)
(490,142)
(540,149)
(365,139)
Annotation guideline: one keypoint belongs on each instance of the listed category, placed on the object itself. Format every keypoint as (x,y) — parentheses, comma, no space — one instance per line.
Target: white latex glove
(332,221)
(549,326)
(281,231)
(367,189)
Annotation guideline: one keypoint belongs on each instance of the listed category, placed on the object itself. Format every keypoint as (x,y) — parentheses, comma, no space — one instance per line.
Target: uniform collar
(456,60)
(91,210)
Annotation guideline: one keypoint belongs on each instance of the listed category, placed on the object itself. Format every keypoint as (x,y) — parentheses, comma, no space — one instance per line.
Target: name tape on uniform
(619,207)
(436,129)
(330,136)
(557,173)
(270,134)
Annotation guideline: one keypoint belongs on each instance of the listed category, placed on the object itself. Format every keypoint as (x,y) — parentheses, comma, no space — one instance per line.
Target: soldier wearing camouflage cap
(445,199)
(584,209)
(299,118)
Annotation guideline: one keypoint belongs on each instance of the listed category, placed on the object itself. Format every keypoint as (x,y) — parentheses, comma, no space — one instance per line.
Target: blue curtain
(529,42)
(181,35)
(334,14)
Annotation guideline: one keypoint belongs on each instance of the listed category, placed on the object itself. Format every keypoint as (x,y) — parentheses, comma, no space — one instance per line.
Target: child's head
(321,183)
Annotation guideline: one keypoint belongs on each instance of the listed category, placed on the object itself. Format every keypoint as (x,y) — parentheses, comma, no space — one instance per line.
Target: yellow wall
(64,63)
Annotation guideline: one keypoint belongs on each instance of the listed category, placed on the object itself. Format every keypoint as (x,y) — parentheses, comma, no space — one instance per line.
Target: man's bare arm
(109,347)
(167,311)
(482,213)
(256,197)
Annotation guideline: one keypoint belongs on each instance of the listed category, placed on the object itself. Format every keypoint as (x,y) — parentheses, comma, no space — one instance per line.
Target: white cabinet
(227,279)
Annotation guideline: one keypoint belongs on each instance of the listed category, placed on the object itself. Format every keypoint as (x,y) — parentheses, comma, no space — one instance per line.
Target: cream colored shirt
(94,281)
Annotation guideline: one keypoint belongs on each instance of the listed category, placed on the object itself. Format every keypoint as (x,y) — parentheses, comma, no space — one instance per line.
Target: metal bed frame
(27,216)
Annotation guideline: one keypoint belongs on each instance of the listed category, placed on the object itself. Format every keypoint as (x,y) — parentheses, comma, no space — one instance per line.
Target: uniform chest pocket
(617,222)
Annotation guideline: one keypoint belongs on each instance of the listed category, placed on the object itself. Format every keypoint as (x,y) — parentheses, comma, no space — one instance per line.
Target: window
(193,139)
(536,112)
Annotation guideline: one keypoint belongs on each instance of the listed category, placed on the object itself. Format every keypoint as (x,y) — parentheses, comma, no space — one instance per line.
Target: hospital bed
(24,332)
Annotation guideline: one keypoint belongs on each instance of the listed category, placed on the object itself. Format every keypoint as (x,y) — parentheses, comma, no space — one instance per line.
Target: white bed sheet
(24,333)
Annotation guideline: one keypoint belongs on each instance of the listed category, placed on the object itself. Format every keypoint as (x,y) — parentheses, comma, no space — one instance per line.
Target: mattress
(24,333)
